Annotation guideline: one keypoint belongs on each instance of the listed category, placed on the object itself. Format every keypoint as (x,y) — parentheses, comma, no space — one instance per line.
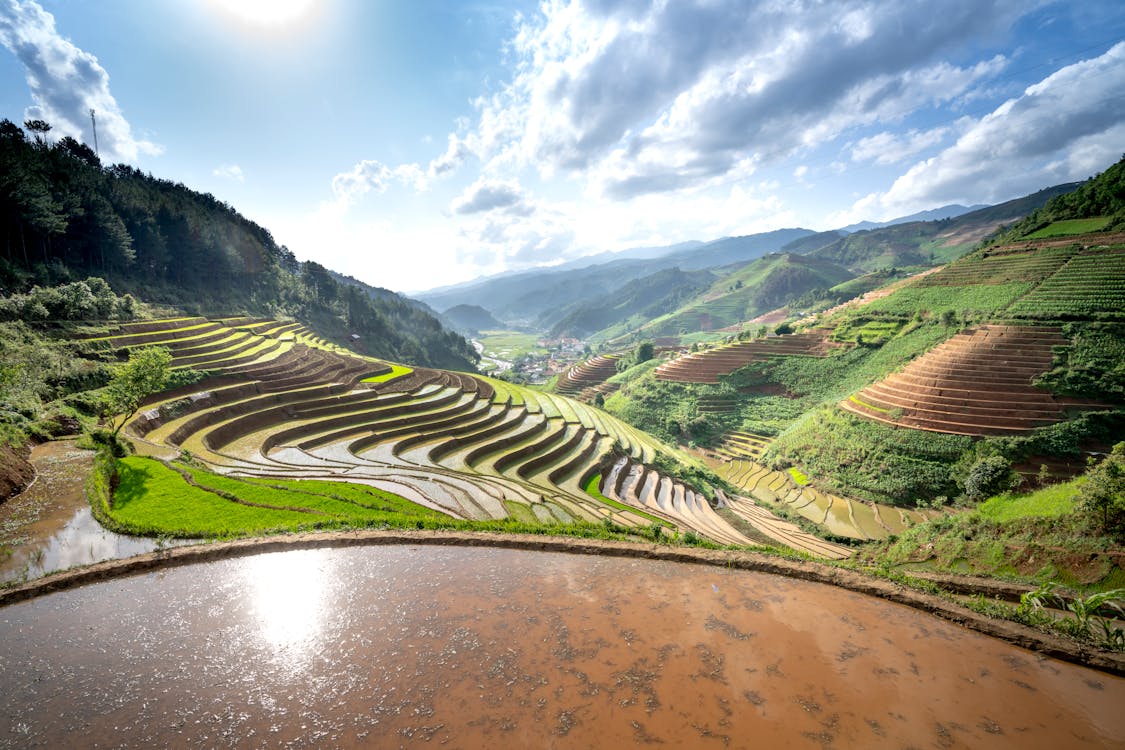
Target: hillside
(471,319)
(538,297)
(67,217)
(633,304)
(745,292)
(1000,371)
(927,243)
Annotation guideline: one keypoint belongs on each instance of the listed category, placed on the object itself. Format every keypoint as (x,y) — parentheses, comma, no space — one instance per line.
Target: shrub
(990,476)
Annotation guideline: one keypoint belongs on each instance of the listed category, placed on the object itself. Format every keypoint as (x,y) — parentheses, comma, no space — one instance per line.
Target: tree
(990,476)
(644,352)
(1103,495)
(144,374)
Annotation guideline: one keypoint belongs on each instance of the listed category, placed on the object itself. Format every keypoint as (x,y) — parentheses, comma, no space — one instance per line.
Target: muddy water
(473,648)
(49,526)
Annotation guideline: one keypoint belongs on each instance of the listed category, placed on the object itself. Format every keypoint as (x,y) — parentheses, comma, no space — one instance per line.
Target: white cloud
(894,148)
(653,97)
(230,172)
(373,176)
(1066,127)
(489,195)
(66,82)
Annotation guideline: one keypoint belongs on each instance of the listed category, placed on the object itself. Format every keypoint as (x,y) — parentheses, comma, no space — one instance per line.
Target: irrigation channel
(473,647)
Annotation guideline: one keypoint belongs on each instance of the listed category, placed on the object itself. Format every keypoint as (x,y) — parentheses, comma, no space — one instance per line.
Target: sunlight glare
(287,590)
(266,12)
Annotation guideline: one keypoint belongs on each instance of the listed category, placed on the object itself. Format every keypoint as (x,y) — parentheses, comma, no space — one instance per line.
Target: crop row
(466,446)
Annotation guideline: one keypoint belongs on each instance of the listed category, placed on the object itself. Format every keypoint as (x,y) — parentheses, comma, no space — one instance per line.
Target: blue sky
(419,143)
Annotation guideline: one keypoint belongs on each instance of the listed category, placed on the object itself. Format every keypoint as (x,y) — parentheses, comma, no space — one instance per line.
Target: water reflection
(479,648)
(287,592)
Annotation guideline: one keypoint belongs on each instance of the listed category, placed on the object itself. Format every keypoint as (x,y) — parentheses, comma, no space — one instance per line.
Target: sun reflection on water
(288,592)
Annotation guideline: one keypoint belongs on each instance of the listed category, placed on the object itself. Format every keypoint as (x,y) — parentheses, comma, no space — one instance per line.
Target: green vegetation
(510,345)
(865,459)
(144,374)
(1070,226)
(68,217)
(396,371)
(591,489)
(1048,502)
(1093,367)
(1101,197)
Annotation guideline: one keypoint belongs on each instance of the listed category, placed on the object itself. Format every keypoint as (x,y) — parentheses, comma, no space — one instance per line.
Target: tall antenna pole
(94,125)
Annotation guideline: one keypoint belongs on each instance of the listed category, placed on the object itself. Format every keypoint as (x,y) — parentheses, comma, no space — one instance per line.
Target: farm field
(286,417)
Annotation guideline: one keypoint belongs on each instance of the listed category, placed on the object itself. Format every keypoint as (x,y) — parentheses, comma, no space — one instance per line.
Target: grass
(1070,226)
(153,499)
(396,371)
(1049,502)
(591,489)
(798,476)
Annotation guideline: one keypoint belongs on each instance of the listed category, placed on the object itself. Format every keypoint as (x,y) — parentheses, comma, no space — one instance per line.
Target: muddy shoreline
(1010,632)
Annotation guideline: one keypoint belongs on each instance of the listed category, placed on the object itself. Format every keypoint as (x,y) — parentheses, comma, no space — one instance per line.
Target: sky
(419,143)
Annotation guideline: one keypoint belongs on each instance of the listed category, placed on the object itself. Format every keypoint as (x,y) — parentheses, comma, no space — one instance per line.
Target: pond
(470,647)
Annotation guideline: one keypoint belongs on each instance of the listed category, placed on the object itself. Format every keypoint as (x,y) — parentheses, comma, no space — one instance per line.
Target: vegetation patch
(1070,226)
(396,371)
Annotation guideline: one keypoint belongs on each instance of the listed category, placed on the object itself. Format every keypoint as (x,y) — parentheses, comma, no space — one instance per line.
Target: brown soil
(1011,632)
(16,472)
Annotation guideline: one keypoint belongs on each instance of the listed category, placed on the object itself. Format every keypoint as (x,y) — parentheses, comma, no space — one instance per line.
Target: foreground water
(49,526)
(471,647)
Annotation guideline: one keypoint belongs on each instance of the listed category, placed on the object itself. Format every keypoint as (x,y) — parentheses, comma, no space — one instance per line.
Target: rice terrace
(641,460)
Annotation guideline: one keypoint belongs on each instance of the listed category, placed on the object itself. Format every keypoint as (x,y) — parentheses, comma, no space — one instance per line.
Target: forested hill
(65,216)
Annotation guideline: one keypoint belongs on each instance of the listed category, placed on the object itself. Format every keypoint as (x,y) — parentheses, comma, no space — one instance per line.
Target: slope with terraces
(282,404)
(977,383)
(586,379)
(708,365)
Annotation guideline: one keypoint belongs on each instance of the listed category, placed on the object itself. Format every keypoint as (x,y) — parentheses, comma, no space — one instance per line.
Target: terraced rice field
(976,383)
(840,516)
(708,365)
(586,379)
(285,405)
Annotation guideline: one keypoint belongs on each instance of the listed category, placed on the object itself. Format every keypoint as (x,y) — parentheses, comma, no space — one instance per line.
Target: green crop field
(510,345)
(1071,226)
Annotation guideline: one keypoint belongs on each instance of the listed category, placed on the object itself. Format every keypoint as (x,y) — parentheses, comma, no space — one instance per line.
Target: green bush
(990,476)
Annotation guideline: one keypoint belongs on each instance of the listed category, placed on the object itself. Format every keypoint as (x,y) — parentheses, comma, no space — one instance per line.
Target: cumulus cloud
(894,148)
(649,97)
(373,176)
(230,172)
(1066,127)
(489,195)
(455,155)
(502,241)
(66,82)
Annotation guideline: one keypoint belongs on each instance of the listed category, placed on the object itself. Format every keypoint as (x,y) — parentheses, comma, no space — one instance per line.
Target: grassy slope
(748,291)
(1034,536)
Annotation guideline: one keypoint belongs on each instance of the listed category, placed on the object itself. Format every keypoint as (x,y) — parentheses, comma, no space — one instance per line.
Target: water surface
(473,648)
(49,525)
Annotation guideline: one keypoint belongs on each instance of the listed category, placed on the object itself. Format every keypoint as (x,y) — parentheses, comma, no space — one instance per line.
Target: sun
(266,12)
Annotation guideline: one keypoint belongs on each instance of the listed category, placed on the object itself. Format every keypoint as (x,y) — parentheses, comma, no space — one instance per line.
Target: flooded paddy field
(49,525)
(416,646)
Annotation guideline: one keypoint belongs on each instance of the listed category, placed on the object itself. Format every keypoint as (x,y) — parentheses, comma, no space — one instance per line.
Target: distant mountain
(951,211)
(634,304)
(928,243)
(471,319)
(731,250)
(536,297)
(754,288)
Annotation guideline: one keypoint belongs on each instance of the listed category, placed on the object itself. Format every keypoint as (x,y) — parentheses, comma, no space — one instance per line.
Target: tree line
(65,217)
